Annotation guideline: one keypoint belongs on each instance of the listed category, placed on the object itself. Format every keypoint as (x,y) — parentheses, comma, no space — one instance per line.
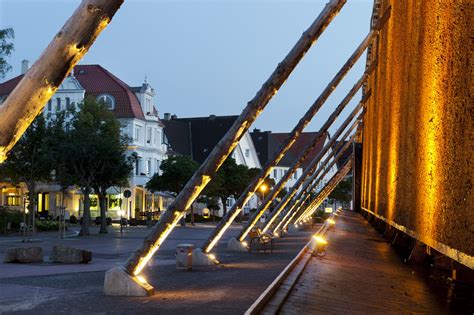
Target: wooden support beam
(303,194)
(230,216)
(225,146)
(300,159)
(311,170)
(298,209)
(42,80)
(333,182)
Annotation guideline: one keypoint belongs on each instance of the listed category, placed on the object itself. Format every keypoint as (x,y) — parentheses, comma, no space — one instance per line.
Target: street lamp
(263,188)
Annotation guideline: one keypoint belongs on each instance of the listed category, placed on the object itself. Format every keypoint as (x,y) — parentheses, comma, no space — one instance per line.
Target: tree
(115,172)
(58,136)
(176,171)
(6,48)
(30,161)
(343,191)
(230,181)
(92,145)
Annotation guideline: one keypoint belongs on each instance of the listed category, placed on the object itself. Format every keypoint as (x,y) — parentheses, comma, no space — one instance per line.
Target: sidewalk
(362,274)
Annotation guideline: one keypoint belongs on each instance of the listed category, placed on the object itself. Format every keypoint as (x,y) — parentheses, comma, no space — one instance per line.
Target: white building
(135,109)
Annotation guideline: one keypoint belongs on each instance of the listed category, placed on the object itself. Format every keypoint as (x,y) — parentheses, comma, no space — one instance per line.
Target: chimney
(24,66)
(174,116)
(212,117)
(255,130)
(167,116)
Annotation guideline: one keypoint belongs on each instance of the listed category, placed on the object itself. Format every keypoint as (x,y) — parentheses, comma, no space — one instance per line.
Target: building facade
(197,136)
(134,107)
(268,144)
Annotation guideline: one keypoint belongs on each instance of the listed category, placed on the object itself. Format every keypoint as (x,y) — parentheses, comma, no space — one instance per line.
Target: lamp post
(263,188)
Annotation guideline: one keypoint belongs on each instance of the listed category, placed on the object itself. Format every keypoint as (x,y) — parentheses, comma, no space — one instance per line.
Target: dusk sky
(207,57)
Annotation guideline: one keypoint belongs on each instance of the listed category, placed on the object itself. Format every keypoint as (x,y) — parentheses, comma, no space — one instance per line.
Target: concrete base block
(202,259)
(236,246)
(119,282)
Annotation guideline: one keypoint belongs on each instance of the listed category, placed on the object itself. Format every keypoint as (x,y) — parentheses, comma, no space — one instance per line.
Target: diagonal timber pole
(304,193)
(325,167)
(326,191)
(225,223)
(42,80)
(225,146)
(279,186)
(311,171)
(328,188)
(303,155)
(310,208)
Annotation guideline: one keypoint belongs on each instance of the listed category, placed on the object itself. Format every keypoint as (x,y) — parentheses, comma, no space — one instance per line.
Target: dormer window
(108,100)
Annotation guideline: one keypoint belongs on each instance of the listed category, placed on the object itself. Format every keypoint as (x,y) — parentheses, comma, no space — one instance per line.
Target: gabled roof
(268,144)
(8,86)
(97,80)
(197,136)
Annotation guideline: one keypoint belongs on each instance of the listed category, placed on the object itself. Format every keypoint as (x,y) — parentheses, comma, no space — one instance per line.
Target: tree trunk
(31,206)
(103,211)
(86,213)
(224,206)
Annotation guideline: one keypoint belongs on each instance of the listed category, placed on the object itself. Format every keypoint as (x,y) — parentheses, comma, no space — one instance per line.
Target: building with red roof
(135,109)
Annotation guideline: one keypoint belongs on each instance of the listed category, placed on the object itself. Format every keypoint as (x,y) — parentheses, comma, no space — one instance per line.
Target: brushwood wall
(418,140)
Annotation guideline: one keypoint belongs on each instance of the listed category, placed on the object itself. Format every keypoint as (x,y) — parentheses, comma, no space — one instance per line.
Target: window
(68,103)
(50,105)
(148,135)
(13,200)
(137,167)
(58,104)
(247,152)
(295,175)
(148,166)
(157,137)
(148,107)
(108,100)
(137,133)
(275,173)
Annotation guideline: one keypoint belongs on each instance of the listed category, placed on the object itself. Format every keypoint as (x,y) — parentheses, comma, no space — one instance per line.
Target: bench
(260,240)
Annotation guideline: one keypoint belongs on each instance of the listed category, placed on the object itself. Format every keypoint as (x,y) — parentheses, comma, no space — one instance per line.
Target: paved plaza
(230,287)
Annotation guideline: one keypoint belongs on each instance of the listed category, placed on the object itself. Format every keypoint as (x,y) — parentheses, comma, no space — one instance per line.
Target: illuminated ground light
(331,222)
(320,240)
(141,279)
(213,258)
(321,243)
(245,244)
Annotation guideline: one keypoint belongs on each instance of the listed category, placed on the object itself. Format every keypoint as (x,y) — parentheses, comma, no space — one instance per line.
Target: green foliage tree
(343,191)
(176,171)
(94,152)
(30,161)
(230,181)
(6,48)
